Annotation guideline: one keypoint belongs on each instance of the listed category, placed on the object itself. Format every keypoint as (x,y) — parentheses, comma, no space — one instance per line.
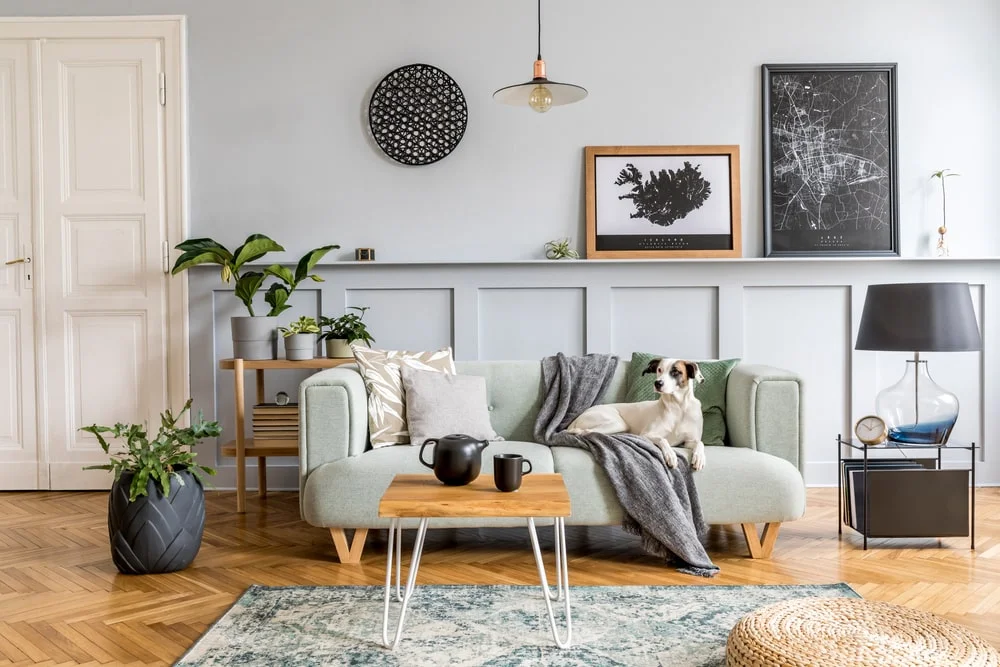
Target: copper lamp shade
(540,93)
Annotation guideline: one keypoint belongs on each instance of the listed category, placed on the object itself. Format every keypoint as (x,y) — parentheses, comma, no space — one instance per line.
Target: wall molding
(800,314)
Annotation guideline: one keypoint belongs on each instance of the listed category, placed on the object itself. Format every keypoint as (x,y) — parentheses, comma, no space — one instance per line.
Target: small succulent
(559,249)
(303,325)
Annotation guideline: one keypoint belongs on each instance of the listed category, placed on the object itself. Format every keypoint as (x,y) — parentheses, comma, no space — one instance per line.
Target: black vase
(155,534)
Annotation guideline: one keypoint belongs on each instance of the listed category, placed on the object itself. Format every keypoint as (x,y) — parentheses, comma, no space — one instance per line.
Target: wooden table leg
(241,469)
(261,460)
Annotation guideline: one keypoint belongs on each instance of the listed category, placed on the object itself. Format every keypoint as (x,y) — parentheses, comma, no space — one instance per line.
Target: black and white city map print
(831,182)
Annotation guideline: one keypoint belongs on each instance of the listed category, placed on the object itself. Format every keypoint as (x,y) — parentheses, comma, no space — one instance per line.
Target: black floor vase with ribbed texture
(156,534)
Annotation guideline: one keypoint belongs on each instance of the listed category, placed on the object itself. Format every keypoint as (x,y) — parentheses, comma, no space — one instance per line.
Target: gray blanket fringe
(661,505)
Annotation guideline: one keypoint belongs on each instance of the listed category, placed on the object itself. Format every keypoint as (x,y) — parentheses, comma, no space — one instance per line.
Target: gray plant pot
(255,337)
(300,347)
(338,348)
(156,534)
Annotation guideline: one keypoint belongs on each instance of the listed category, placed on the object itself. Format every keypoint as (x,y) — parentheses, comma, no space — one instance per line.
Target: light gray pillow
(439,404)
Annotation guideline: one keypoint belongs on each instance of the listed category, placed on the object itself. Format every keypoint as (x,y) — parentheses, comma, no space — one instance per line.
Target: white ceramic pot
(338,348)
(300,347)
(255,337)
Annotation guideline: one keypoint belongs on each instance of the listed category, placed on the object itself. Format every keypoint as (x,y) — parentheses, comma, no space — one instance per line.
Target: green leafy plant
(349,326)
(303,325)
(155,459)
(559,249)
(277,294)
(207,251)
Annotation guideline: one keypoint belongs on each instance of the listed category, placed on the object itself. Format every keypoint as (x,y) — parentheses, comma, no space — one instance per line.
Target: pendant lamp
(540,93)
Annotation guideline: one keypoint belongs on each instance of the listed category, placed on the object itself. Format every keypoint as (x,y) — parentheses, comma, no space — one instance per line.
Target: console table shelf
(243,446)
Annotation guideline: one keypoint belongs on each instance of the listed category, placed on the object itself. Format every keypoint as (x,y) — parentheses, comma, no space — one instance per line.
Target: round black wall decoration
(417,114)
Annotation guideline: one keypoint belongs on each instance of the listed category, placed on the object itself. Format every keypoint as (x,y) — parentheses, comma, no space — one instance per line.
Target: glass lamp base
(916,410)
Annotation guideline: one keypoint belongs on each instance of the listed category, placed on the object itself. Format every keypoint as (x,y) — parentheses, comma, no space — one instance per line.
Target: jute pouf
(849,631)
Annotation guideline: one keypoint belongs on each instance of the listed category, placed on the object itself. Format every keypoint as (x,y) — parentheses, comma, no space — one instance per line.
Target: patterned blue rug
(499,626)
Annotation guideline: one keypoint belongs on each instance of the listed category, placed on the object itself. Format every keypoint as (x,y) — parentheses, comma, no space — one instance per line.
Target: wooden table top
(416,496)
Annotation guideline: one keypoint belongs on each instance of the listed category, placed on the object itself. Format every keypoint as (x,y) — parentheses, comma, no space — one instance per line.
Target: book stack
(853,485)
(275,422)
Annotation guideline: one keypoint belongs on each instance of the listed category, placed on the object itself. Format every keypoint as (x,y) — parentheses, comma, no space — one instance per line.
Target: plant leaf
(255,247)
(247,286)
(282,273)
(309,260)
(194,258)
(276,297)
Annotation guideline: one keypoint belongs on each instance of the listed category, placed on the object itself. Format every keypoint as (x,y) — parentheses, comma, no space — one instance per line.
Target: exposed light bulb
(540,99)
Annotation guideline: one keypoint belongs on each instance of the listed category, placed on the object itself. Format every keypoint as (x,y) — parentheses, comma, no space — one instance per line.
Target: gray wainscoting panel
(808,330)
(406,319)
(531,323)
(799,314)
(680,322)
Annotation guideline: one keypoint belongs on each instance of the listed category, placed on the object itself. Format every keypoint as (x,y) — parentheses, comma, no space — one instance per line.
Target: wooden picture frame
(684,201)
(831,181)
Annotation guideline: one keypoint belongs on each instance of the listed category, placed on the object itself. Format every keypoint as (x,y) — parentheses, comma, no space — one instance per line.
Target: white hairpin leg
(395,540)
(562,578)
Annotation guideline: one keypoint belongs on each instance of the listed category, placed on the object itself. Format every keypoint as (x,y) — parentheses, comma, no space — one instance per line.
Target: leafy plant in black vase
(156,509)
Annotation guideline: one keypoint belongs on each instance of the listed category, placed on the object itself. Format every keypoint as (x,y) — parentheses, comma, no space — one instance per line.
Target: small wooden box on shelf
(242,447)
(922,500)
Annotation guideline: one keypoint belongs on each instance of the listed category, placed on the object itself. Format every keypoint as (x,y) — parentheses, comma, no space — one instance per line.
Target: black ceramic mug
(508,470)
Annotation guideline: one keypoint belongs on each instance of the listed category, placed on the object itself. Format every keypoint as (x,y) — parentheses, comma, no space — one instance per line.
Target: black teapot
(457,458)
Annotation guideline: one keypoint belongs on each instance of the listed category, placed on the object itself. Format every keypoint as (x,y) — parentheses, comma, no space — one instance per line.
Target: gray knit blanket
(660,503)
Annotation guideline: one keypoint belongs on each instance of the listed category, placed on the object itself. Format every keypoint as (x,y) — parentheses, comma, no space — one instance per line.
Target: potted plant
(344,330)
(254,337)
(277,294)
(156,509)
(300,339)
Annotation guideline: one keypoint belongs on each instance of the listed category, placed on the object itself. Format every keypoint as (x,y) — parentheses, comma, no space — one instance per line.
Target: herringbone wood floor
(62,602)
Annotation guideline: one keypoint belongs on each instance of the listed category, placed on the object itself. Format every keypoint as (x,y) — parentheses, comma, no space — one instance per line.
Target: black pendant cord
(539,30)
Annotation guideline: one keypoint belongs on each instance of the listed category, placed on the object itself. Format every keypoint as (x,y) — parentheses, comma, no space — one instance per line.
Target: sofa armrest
(333,418)
(764,412)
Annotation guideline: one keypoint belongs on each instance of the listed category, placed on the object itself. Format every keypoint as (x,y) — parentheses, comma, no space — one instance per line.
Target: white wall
(278,92)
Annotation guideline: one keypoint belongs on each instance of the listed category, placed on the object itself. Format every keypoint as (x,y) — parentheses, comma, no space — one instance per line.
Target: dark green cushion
(711,392)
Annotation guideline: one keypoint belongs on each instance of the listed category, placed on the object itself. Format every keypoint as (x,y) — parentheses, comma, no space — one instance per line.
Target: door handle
(19,260)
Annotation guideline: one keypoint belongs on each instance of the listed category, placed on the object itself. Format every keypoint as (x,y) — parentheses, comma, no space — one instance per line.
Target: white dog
(673,420)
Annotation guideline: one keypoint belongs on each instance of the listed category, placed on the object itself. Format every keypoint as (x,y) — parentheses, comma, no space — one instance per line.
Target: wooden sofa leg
(761,548)
(349,554)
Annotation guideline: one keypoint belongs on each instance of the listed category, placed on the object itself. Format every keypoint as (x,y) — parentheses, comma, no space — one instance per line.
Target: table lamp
(918,317)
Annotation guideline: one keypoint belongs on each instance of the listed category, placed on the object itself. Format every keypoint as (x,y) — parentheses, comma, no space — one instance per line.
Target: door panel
(18,444)
(105,291)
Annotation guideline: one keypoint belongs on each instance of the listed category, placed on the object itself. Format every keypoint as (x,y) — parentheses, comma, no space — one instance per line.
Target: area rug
(679,626)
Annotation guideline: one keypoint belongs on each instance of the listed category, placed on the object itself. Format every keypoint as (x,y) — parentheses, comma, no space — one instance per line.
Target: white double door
(83,309)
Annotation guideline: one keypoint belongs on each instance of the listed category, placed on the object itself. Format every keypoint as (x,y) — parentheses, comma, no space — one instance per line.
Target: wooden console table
(242,447)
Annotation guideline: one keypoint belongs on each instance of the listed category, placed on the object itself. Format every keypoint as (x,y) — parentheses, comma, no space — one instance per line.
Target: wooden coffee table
(424,497)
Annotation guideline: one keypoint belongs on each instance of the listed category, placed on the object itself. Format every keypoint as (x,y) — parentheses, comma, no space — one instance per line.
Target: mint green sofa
(755,479)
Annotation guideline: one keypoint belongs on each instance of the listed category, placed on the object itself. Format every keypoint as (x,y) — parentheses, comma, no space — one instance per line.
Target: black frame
(890,69)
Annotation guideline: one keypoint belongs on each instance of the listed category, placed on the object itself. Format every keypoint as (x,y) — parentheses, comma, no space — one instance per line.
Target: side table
(424,497)
(242,447)
(924,501)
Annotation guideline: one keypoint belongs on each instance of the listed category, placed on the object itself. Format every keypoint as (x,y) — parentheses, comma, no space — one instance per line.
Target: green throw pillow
(711,392)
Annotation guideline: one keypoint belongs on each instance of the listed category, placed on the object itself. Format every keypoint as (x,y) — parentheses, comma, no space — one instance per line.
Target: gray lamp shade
(919,317)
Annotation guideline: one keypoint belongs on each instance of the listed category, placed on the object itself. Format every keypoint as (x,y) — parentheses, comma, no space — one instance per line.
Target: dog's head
(674,375)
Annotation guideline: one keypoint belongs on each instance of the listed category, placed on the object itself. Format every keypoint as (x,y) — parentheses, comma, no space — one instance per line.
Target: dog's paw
(698,457)
(669,455)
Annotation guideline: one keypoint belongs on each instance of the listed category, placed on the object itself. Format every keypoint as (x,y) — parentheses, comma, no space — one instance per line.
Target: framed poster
(646,202)
(829,144)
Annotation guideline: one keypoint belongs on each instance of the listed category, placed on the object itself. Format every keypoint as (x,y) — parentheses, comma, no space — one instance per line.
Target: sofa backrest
(514,393)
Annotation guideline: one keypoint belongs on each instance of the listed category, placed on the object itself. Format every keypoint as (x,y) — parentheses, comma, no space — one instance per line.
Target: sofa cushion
(346,492)
(711,392)
(737,485)
(380,370)
(438,404)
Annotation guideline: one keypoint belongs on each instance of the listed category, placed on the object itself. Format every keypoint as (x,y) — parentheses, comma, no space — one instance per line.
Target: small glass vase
(917,410)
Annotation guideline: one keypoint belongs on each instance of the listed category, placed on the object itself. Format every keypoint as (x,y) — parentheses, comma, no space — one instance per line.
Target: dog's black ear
(652,366)
(693,371)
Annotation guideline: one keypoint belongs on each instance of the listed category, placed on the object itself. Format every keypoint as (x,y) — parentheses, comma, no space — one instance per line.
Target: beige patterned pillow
(386,397)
